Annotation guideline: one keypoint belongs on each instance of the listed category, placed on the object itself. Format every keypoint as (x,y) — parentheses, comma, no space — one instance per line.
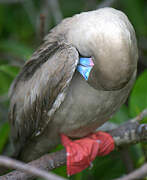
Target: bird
(74,82)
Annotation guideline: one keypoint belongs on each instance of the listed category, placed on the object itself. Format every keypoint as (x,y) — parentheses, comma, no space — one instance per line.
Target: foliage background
(21,31)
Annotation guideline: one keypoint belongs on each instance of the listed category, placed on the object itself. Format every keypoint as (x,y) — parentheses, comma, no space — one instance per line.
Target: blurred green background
(23,24)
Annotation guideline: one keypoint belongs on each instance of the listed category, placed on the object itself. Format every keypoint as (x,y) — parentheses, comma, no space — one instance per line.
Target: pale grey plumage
(49,97)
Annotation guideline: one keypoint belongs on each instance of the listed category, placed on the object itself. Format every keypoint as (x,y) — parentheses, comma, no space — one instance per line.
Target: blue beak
(85,66)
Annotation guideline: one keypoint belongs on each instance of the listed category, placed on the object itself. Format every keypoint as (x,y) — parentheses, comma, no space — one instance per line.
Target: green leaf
(61,171)
(137,154)
(16,48)
(3,61)
(121,116)
(136,14)
(10,70)
(7,74)
(104,167)
(138,98)
(5,81)
(4,135)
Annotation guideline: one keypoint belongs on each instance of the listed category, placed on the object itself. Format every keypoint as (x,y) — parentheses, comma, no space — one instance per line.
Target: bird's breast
(86,108)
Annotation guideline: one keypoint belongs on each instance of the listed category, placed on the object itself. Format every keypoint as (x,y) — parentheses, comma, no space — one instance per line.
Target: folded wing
(39,90)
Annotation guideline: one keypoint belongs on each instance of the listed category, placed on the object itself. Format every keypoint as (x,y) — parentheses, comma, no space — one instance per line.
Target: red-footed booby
(74,82)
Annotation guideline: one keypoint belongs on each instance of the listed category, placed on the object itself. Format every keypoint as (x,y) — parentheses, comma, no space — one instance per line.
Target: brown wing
(39,90)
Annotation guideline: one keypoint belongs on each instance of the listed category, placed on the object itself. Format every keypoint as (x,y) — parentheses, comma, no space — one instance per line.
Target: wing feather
(39,90)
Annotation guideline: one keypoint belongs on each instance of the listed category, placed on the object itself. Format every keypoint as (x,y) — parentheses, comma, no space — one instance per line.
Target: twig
(45,16)
(126,134)
(45,11)
(137,174)
(42,26)
(33,171)
(140,116)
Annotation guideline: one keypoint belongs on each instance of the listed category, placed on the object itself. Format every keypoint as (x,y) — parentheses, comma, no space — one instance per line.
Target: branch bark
(135,175)
(128,133)
(34,171)
(46,163)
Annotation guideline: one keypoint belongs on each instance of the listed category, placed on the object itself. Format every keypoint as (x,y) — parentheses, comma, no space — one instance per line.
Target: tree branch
(46,162)
(137,174)
(128,133)
(11,163)
(140,116)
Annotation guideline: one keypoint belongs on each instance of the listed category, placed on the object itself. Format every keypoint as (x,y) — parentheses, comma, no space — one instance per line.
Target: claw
(141,128)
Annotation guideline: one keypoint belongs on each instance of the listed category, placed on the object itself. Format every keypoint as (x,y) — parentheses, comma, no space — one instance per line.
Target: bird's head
(106,36)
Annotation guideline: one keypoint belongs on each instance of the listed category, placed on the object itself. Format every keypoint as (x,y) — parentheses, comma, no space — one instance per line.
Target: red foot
(81,152)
